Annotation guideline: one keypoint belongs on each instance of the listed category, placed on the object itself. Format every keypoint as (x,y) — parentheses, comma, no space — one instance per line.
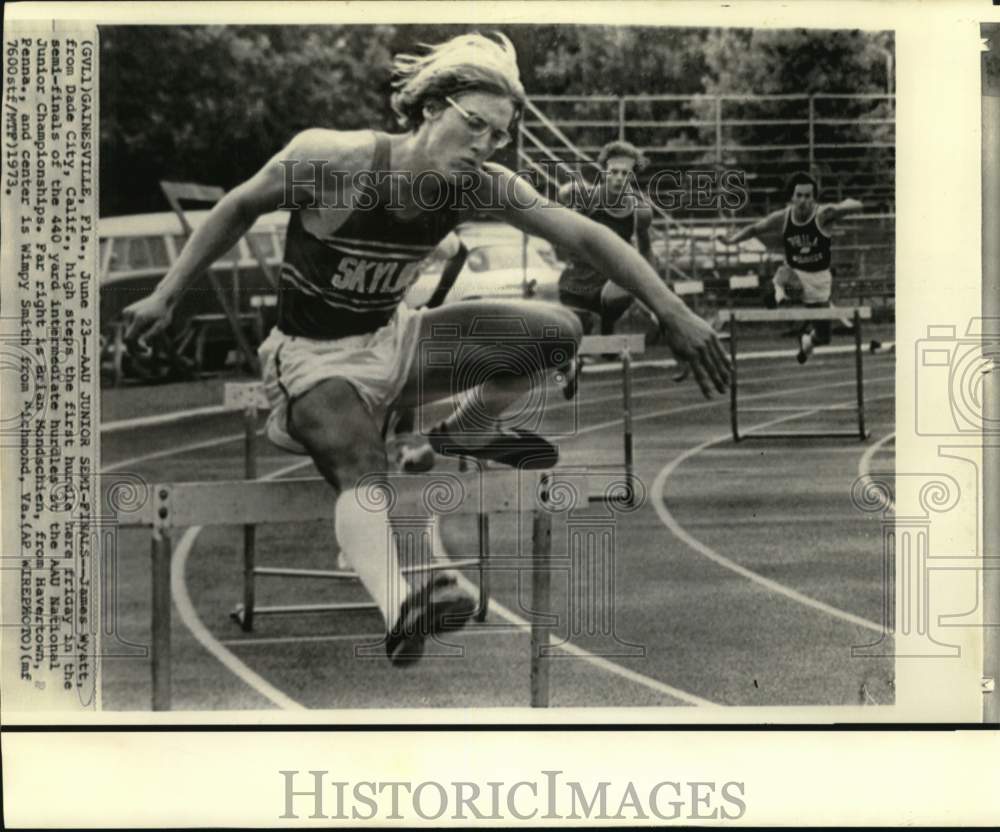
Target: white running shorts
(376,365)
(816,286)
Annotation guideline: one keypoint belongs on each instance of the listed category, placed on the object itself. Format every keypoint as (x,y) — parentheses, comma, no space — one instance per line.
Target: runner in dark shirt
(615,202)
(806,239)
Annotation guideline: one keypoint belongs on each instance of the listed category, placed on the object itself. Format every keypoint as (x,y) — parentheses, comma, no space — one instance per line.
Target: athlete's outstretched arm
(691,339)
(234,215)
(832,213)
(770,223)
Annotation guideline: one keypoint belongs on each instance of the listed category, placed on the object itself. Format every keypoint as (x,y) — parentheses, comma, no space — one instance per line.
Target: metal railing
(847,140)
(579,155)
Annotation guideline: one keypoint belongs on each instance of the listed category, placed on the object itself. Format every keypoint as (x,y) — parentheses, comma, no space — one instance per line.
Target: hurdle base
(239,611)
(240,616)
(290,572)
(340,575)
(842,434)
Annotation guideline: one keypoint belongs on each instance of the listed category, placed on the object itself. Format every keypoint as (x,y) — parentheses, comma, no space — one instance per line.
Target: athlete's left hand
(695,343)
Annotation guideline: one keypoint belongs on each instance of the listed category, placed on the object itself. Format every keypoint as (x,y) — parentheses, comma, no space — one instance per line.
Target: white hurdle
(832,313)
(168,507)
(249,398)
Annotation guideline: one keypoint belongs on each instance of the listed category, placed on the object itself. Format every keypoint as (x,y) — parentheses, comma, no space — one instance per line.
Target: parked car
(138,249)
(695,248)
(502,263)
(135,253)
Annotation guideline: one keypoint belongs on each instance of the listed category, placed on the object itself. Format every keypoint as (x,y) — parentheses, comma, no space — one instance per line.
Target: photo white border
(938,267)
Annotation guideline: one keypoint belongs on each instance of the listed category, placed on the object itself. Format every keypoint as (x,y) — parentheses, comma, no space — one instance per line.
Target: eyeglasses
(479,126)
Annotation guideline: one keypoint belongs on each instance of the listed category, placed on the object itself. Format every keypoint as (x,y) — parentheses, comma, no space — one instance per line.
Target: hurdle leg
(859,374)
(245,615)
(627,422)
(541,578)
(732,376)
(160,659)
(484,554)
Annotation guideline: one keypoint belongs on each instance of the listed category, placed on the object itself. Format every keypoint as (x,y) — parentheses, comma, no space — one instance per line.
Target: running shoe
(805,349)
(435,608)
(570,379)
(516,448)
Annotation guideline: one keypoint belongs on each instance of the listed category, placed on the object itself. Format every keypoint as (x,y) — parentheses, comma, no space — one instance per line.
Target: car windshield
(497,257)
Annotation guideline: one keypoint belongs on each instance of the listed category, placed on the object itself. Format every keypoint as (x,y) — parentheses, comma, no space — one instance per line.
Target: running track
(743,580)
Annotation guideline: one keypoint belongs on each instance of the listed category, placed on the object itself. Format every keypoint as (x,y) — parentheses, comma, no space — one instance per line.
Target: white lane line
(164,418)
(610,367)
(233,437)
(864,465)
(583,401)
(657,497)
(864,470)
(579,652)
(187,613)
(659,391)
(174,416)
(717,401)
(177,449)
(783,353)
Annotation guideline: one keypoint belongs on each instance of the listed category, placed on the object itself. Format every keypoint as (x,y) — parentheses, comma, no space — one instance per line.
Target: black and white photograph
(403,371)
(654,267)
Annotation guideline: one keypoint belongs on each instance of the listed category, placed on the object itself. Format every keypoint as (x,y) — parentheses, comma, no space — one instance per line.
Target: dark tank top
(351,281)
(580,277)
(623,226)
(806,247)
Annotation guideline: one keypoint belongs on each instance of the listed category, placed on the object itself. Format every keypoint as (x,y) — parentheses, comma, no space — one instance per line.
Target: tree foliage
(211,104)
(610,60)
(804,61)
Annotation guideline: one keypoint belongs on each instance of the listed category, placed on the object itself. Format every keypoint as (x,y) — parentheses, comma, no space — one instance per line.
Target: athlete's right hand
(144,320)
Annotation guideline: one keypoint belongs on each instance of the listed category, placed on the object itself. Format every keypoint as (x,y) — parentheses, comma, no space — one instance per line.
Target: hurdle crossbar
(632,342)
(797,313)
(238,502)
(854,313)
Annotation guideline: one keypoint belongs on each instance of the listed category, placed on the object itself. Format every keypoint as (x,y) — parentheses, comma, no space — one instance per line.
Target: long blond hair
(464,63)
